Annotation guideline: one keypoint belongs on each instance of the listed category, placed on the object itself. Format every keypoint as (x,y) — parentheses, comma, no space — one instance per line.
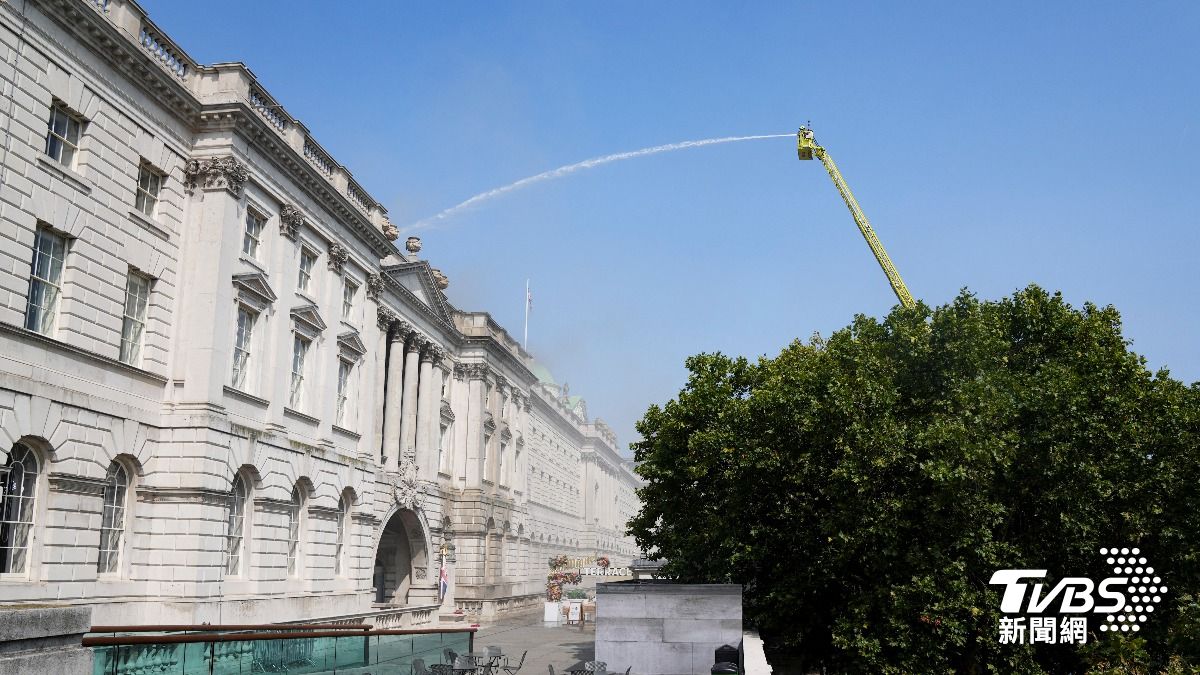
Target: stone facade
(225,395)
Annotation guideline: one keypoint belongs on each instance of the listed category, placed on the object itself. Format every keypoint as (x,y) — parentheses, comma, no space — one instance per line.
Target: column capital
(433,353)
(385,317)
(473,371)
(290,220)
(216,173)
(416,343)
(374,285)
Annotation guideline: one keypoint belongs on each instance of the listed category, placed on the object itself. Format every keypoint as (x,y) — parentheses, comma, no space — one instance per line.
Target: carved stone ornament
(474,371)
(217,173)
(413,245)
(337,257)
(290,220)
(420,573)
(374,285)
(389,230)
(385,317)
(439,278)
(405,489)
(416,343)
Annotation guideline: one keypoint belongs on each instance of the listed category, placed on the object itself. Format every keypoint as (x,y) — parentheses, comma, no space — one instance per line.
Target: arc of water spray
(578,166)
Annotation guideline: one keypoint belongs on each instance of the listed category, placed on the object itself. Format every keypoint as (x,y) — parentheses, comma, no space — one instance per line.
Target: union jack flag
(444,583)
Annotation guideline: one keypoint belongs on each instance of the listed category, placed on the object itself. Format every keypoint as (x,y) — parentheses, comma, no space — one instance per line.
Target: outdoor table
(578,669)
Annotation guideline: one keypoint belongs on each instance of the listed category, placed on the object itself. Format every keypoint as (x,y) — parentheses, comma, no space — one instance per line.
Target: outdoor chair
(451,656)
(511,669)
(551,669)
(418,667)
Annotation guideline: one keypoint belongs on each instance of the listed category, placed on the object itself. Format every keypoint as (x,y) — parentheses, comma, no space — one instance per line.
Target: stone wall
(663,628)
(44,640)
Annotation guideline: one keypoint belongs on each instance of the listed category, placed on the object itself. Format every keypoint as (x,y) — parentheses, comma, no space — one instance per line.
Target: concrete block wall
(663,628)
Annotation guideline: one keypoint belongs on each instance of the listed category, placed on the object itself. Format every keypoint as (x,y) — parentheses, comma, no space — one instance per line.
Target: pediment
(308,318)
(416,280)
(253,286)
(349,343)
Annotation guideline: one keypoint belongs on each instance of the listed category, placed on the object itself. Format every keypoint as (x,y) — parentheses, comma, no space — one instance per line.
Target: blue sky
(992,145)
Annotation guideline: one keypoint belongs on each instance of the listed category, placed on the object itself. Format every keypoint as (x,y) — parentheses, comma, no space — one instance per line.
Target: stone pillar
(384,319)
(448,599)
(392,411)
(473,472)
(426,451)
(408,419)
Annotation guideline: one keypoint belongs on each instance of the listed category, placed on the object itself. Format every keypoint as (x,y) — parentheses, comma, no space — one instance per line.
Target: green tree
(864,488)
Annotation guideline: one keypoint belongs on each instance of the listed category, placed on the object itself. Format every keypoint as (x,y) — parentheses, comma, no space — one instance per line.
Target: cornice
(243,120)
(413,302)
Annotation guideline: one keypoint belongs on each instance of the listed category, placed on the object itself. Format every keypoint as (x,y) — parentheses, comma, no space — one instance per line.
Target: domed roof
(542,373)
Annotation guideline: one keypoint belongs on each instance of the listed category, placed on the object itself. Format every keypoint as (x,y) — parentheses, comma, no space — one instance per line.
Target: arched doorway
(401,558)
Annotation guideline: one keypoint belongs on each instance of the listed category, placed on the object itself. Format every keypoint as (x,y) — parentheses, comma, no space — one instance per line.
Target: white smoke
(572,168)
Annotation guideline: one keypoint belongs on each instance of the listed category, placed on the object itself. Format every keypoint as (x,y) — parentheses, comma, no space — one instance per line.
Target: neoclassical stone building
(225,394)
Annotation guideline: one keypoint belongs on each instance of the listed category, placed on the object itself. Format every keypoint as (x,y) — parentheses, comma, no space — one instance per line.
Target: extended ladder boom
(807,148)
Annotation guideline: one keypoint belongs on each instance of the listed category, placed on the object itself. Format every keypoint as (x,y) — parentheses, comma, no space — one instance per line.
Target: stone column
(408,419)
(426,452)
(392,412)
(473,470)
(384,319)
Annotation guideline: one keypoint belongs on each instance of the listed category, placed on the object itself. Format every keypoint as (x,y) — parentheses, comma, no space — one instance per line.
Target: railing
(318,157)
(164,51)
(357,196)
(286,649)
(268,108)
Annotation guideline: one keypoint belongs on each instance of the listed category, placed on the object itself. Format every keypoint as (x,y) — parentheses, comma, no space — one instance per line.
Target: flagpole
(526,345)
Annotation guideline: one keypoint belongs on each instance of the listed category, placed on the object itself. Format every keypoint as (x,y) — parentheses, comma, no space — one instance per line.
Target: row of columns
(410,394)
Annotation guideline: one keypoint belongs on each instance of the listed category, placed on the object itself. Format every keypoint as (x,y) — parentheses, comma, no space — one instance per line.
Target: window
(445,429)
(503,477)
(294,531)
(253,236)
(112,520)
(137,295)
(349,289)
(241,346)
(62,135)
(445,385)
(18,488)
(239,496)
(149,183)
(299,351)
(345,370)
(307,260)
(339,544)
(45,280)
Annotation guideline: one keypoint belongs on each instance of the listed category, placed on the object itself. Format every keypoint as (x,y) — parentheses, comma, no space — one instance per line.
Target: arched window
(112,519)
(293,550)
(239,496)
(339,544)
(18,489)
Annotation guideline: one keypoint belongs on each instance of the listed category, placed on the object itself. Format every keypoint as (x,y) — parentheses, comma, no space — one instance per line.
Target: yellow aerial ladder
(806,148)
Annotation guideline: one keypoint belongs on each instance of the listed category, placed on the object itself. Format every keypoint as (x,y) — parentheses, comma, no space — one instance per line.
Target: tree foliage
(864,488)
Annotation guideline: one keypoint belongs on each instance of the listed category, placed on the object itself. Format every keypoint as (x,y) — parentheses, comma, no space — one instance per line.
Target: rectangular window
(349,289)
(299,351)
(149,183)
(345,370)
(253,236)
(137,296)
(45,280)
(445,429)
(307,260)
(242,345)
(62,135)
